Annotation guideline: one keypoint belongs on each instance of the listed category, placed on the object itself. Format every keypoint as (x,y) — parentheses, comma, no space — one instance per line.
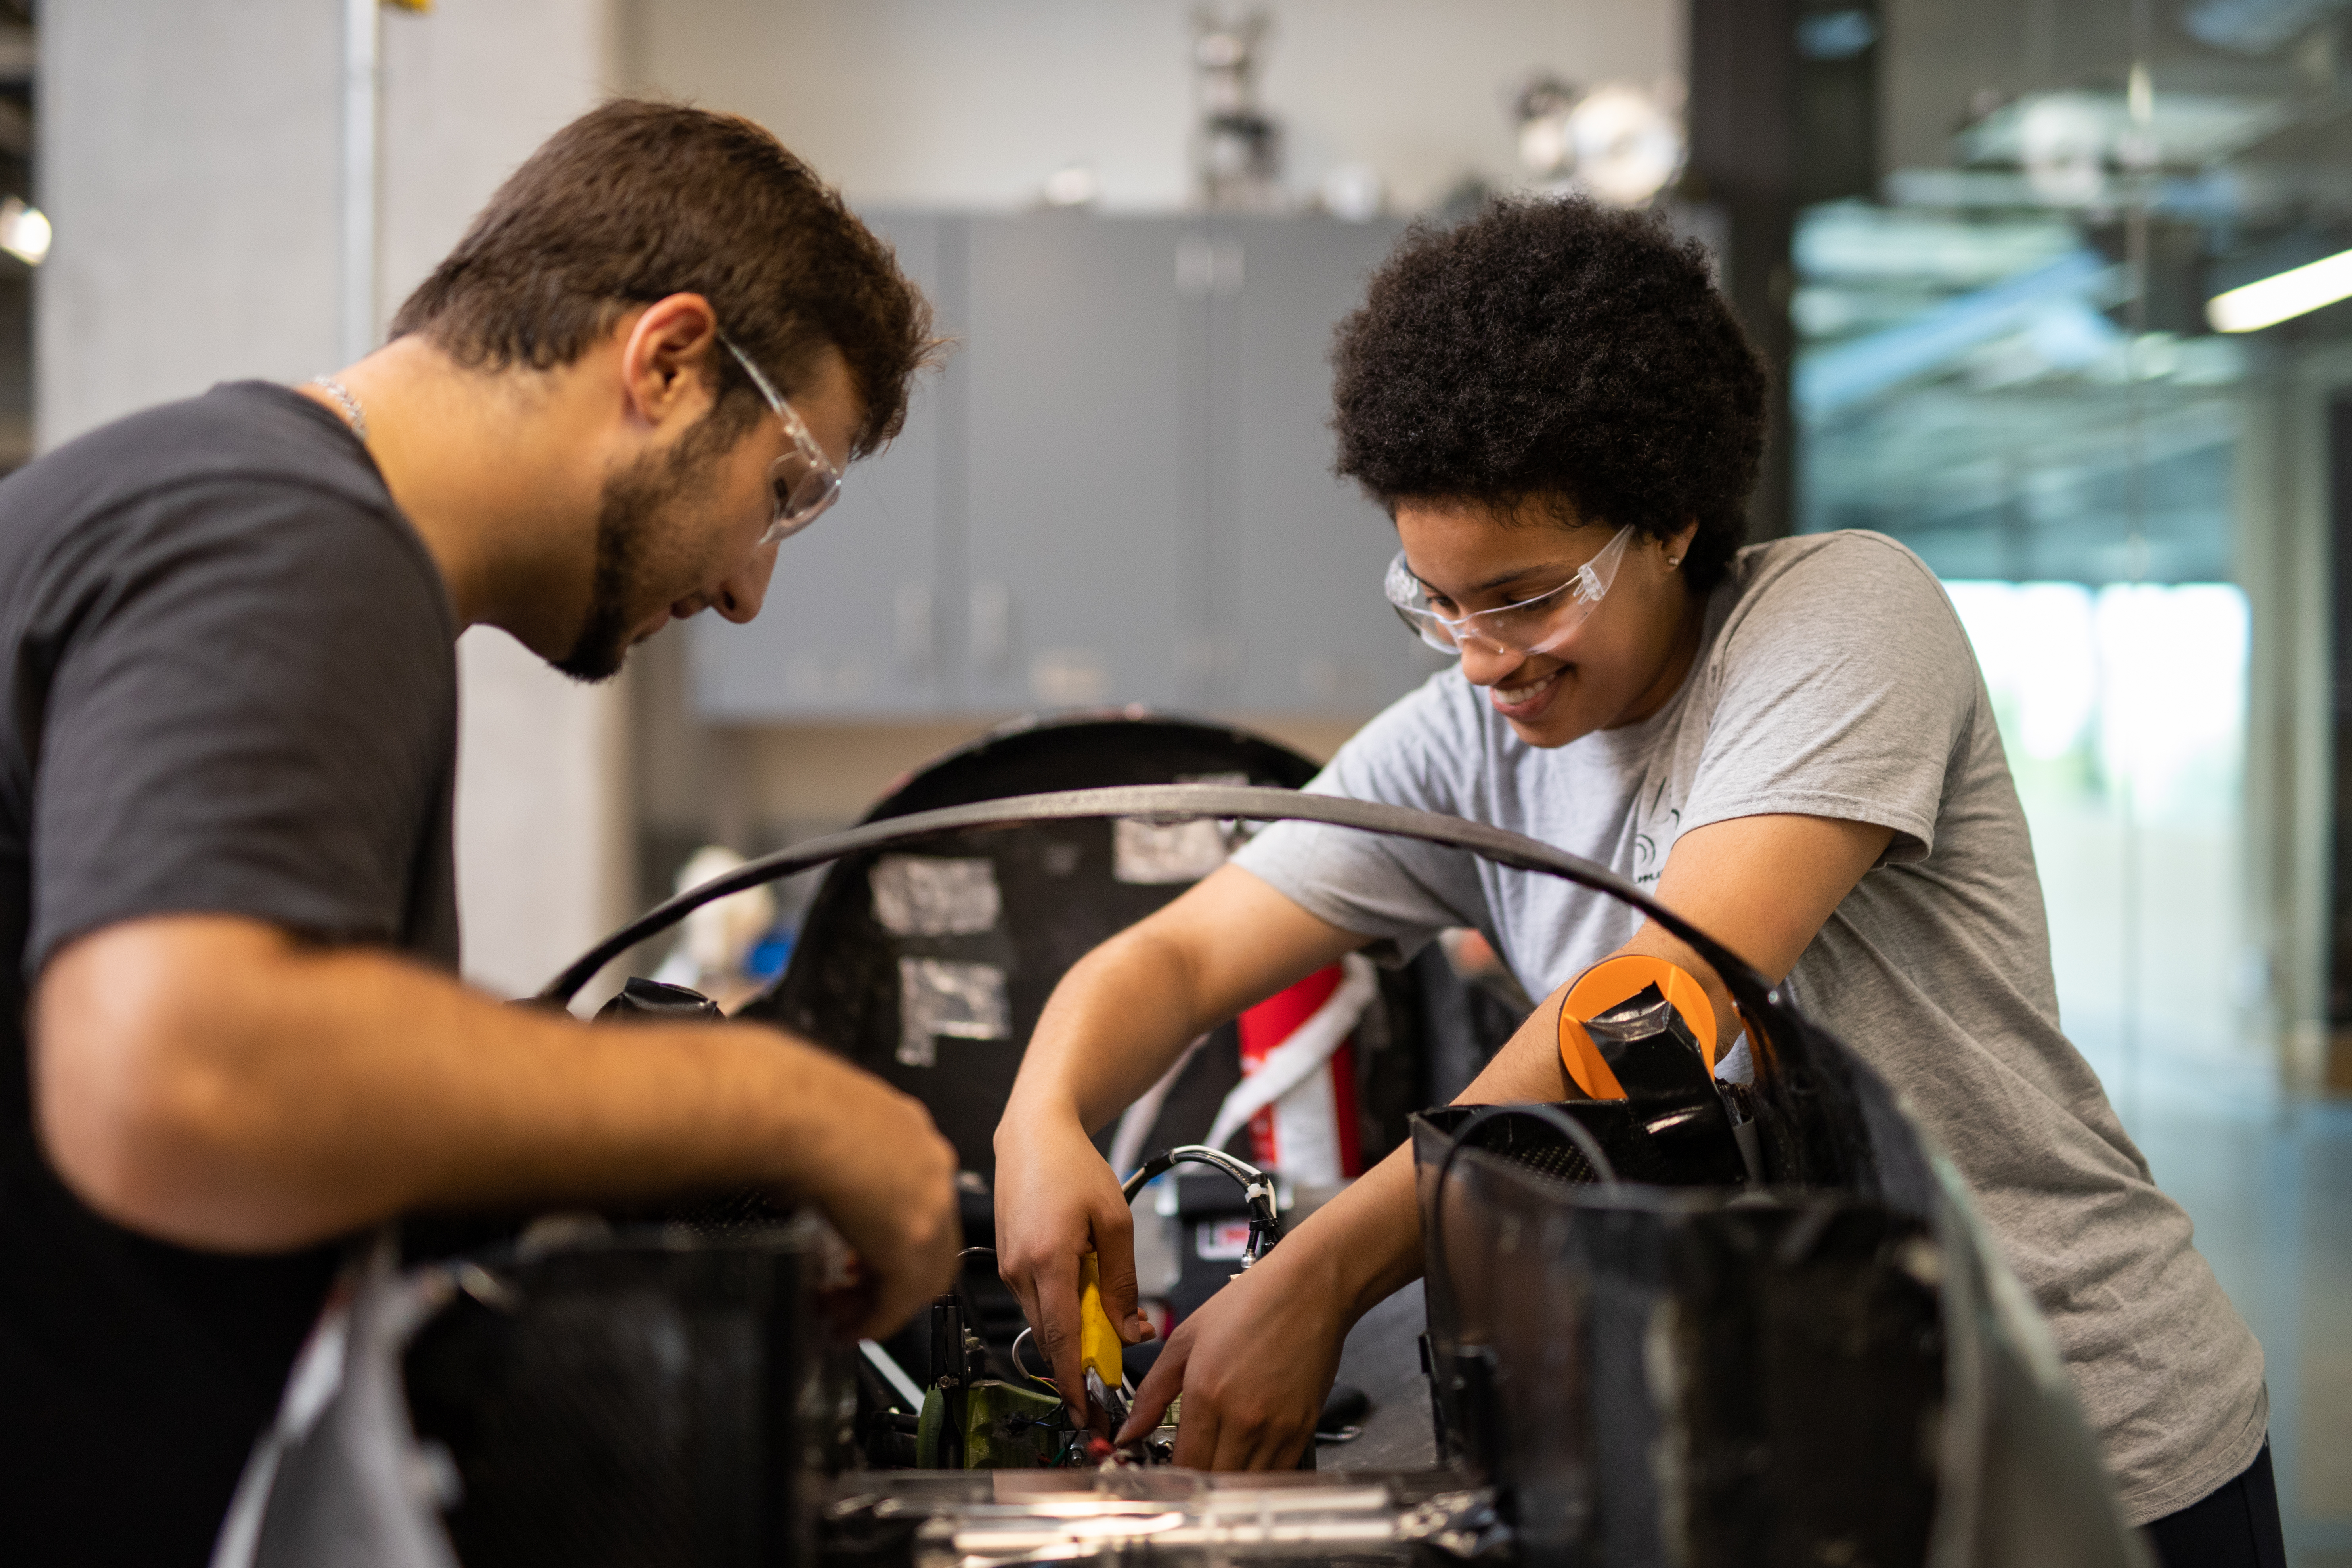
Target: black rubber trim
(1175,803)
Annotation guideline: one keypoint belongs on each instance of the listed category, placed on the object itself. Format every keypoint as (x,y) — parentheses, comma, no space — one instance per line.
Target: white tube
(1289,1063)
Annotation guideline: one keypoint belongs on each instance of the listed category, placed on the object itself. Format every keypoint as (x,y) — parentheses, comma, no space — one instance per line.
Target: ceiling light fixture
(2283,295)
(24,232)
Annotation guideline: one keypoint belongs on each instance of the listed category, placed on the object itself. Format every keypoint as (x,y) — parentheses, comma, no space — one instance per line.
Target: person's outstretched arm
(1119,1019)
(1256,1361)
(210,1080)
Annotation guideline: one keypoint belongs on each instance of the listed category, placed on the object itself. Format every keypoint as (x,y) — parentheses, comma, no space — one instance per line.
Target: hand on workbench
(888,1185)
(1254,1364)
(1056,1201)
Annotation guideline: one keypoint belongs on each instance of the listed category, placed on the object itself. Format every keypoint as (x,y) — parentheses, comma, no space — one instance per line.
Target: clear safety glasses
(1530,626)
(805,480)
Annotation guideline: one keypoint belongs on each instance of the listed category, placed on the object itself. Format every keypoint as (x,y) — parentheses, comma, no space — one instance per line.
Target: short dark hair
(637,200)
(1552,349)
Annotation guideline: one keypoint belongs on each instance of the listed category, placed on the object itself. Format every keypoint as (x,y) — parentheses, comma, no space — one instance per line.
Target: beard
(638,503)
(632,503)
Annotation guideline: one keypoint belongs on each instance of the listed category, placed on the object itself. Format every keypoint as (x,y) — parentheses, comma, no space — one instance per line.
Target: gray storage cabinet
(852,623)
(1088,565)
(1301,554)
(1118,490)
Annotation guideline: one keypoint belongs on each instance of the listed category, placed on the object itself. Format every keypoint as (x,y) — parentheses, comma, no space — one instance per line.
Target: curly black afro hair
(1554,349)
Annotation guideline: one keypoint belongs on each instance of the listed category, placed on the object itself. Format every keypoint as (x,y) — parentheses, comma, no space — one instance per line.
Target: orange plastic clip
(1609,982)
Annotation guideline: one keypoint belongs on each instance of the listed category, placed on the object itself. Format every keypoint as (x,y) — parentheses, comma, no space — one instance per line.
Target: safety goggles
(1530,627)
(804,481)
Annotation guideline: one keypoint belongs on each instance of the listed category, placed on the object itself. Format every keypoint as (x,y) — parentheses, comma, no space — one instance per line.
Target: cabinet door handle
(1206,267)
(912,607)
(1196,267)
(992,627)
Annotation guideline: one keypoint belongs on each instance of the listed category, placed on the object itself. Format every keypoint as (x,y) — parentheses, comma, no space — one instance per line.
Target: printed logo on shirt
(1654,840)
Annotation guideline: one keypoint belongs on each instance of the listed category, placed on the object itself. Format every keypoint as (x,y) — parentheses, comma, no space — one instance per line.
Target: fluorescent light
(2282,296)
(1072,185)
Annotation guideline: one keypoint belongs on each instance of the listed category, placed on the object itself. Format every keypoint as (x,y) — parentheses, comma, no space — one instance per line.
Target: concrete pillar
(190,160)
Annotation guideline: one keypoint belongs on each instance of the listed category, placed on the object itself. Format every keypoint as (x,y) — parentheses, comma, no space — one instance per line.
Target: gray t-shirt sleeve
(1391,890)
(1844,683)
(253,719)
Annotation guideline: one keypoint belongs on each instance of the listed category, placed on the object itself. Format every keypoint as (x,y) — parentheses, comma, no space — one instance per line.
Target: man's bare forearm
(213,1083)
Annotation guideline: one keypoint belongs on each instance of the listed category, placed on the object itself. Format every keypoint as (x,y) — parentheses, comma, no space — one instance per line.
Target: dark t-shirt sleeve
(255,717)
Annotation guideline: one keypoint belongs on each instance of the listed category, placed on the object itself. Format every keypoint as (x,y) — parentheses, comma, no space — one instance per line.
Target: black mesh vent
(630,1401)
(1530,1144)
(1562,1162)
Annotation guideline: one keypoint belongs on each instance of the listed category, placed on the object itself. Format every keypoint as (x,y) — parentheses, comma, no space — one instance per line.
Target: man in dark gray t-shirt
(235,692)
(234,1037)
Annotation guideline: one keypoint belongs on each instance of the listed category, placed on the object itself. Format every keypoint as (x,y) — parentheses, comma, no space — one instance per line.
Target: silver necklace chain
(354,414)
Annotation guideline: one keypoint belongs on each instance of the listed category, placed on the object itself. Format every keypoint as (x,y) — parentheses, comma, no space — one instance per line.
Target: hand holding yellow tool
(1099,1350)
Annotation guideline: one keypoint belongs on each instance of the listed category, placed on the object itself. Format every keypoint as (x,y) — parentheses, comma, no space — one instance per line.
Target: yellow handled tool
(1099,1342)
(1099,1349)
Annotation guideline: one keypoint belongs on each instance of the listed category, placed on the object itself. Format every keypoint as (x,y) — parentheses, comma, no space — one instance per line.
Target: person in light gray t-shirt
(1790,744)
(1835,679)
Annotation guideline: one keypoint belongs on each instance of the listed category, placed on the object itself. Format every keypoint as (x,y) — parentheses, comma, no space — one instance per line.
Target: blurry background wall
(191,160)
(945,103)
